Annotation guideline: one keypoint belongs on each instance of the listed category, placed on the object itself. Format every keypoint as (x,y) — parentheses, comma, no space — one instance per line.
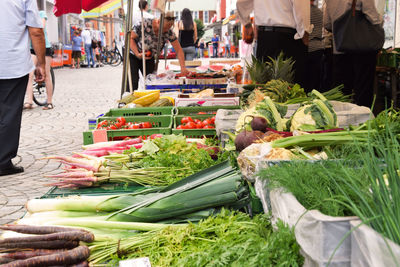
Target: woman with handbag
(357,38)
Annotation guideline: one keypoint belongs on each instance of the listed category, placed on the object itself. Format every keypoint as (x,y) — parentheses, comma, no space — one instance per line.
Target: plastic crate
(127,112)
(103,189)
(156,121)
(193,133)
(114,135)
(207,109)
(161,125)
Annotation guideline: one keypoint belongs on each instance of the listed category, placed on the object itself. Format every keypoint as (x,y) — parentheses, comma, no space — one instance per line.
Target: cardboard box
(219,101)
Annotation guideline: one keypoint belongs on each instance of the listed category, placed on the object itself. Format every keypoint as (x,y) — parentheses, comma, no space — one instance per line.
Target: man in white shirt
(19,21)
(87,41)
(282,25)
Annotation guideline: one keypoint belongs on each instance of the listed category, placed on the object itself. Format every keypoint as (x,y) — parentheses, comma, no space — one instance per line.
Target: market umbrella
(104,9)
(75,6)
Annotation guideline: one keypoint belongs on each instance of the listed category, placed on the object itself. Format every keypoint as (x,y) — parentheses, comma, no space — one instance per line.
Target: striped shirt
(316,41)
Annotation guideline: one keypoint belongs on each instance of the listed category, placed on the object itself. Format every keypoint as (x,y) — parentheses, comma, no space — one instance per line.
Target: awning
(103,9)
(75,6)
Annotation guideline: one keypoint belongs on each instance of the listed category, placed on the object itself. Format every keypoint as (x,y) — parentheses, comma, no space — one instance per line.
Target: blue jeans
(89,54)
(215,50)
(227,51)
(190,52)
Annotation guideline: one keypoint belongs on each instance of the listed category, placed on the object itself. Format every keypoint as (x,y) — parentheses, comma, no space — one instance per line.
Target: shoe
(11,170)
(48,106)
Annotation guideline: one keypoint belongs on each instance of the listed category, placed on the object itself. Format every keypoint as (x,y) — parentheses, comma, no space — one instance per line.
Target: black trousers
(327,70)
(356,72)
(314,70)
(270,44)
(136,65)
(12,93)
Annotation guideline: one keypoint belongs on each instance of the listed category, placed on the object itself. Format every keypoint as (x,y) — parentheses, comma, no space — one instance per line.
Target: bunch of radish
(44,246)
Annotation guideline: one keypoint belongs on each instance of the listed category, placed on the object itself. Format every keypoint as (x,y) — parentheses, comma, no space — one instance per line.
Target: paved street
(79,95)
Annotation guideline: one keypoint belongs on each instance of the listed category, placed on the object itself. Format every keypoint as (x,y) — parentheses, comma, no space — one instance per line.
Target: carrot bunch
(45,246)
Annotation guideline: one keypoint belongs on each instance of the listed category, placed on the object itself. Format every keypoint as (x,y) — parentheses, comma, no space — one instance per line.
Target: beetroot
(259,124)
(246,138)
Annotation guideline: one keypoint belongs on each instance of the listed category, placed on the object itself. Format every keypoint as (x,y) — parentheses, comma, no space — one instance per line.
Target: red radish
(154,136)
(114,143)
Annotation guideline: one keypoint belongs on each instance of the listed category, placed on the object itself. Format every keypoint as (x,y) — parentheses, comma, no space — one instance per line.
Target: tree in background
(200,28)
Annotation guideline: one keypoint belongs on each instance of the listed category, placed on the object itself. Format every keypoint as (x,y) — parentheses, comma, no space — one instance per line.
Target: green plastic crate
(103,189)
(156,121)
(114,135)
(207,109)
(193,133)
(126,112)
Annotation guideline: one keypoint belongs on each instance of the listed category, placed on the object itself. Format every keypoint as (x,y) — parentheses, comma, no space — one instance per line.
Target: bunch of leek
(218,186)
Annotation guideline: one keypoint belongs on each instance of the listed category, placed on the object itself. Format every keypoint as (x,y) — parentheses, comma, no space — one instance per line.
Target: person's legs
(343,72)
(314,67)
(12,93)
(136,65)
(364,66)
(190,52)
(49,81)
(29,87)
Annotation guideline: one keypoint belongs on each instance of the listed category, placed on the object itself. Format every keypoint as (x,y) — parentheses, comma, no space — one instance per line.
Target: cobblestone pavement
(79,94)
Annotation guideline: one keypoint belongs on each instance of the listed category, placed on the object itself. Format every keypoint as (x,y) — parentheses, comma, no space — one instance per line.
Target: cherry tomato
(146,124)
(208,127)
(191,125)
(134,126)
(186,120)
(207,122)
(121,120)
(118,125)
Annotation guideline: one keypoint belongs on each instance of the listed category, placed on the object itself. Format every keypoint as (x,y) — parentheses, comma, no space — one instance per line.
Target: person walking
(87,40)
(215,43)
(282,26)
(355,70)
(19,20)
(227,42)
(315,50)
(49,83)
(151,30)
(76,49)
(187,32)
(202,46)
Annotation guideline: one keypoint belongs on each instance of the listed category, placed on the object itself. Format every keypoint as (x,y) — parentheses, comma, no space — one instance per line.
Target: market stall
(216,168)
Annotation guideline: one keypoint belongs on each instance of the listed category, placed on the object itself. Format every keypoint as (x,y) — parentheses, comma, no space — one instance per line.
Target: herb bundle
(228,239)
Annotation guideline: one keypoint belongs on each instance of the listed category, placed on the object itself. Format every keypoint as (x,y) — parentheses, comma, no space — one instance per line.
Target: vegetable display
(158,162)
(228,239)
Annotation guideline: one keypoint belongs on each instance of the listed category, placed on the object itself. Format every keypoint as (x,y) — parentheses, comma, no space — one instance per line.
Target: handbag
(353,32)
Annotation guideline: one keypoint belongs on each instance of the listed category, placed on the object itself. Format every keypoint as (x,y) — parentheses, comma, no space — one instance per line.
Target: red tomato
(104,123)
(186,120)
(201,113)
(113,127)
(199,125)
(180,127)
(197,121)
(134,126)
(118,125)
(150,115)
(213,120)
(207,122)
(146,124)
(191,125)
(121,120)
(208,127)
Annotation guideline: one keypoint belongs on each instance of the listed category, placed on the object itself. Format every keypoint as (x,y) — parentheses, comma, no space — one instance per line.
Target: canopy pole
(143,52)
(126,67)
(159,40)
(166,52)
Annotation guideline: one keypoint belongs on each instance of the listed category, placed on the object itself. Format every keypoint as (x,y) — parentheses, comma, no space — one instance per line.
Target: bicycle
(113,57)
(39,90)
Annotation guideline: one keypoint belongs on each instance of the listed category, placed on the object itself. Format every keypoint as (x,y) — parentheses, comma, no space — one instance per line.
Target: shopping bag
(353,32)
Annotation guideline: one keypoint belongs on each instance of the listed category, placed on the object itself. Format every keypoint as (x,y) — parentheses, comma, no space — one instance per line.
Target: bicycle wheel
(116,59)
(39,90)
